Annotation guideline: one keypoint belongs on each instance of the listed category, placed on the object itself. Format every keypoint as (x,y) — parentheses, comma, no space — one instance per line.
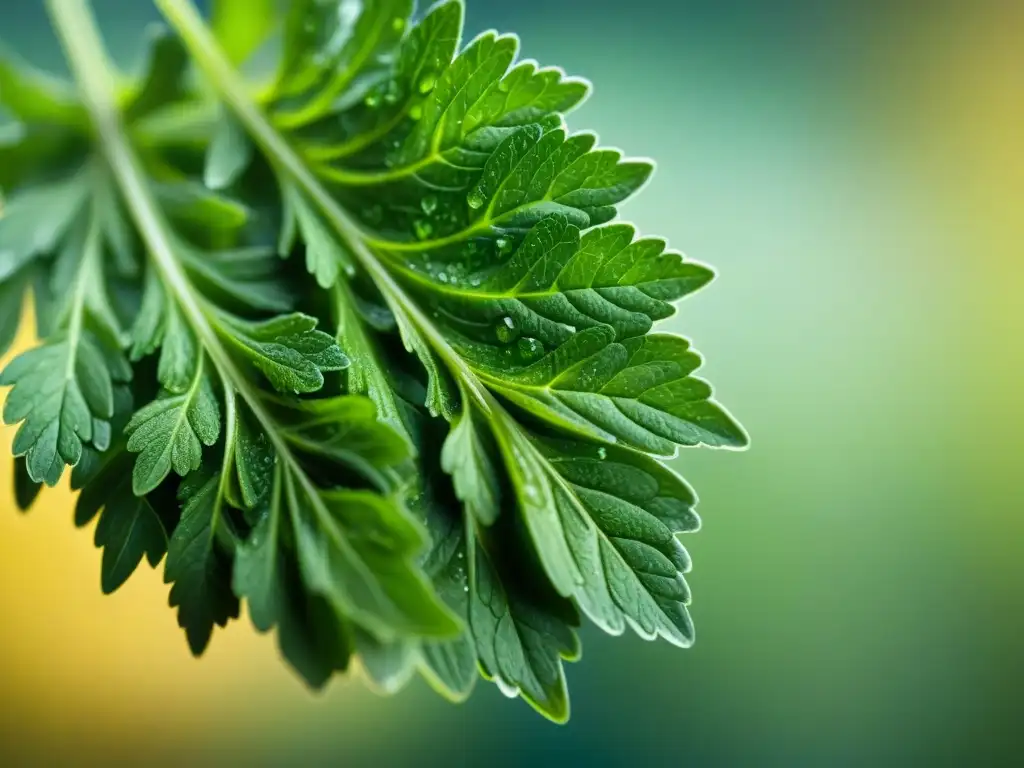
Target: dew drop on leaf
(530,349)
(503,86)
(427,83)
(393,92)
(506,330)
(424,229)
(429,204)
(475,198)
(532,493)
(398,23)
(602,453)
(415,112)
(372,99)
(504,244)
(509,690)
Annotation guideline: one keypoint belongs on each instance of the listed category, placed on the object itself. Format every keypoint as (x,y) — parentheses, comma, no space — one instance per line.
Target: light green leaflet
(352,336)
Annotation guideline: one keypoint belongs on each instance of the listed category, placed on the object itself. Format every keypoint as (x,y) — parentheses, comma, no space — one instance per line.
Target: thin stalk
(80,38)
(205,52)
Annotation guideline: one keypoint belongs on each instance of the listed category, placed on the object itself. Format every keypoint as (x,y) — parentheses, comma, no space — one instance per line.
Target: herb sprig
(356,340)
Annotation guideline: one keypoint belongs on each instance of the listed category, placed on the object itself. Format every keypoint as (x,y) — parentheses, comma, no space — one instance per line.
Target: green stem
(202,46)
(205,51)
(374,178)
(83,280)
(80,38)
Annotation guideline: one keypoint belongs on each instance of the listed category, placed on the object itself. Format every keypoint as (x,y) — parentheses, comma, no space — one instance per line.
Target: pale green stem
(79,35)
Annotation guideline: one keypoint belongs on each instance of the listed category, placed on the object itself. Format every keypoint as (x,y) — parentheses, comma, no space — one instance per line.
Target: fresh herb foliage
(354,340)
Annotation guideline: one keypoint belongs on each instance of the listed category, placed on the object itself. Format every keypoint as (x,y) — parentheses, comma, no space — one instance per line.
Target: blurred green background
(855,172)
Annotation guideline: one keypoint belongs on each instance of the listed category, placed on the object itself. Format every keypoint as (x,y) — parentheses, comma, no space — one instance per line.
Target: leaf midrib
(182,16)
(86,55)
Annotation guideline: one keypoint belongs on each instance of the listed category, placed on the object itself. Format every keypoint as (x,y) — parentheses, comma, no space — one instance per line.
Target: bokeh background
(855,172)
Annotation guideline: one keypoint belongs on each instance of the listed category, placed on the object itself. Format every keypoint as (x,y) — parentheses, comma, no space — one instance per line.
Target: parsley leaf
(459,194)
(364,334)
(129,529)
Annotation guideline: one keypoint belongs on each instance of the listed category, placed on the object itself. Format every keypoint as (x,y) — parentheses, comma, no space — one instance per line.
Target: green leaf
(334,49)
(357,550)
(638,391)
(170,433)
(229,154)
(287,350)
(467,458)
(36,97)
(12,291)
(242,26)
(199,571)
(192,204)
(254,459)
(479,467)
(442,397)
(534,173)
(365,374)
(478,99)
(60,413)
(556,283)
(164,79)
(423,53)
(346,431)
(451,664)
(311,635)
(388,665)
(325,256)
(521,642)
(36,218)
(159,325)
(129,528)
(619,512)
(247,278)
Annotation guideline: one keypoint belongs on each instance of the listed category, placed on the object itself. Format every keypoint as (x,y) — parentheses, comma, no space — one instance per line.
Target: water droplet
(504,244)
(427,83)
(506,688)
(503,86)
(465,587)
(532,493)
(393,92)
(506,330)
(416,112)
(398,23)
(429,204)
(602,453)
(461,555)
(372,99)
(443,277)
(424,229)
(475,198)
(530,349)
